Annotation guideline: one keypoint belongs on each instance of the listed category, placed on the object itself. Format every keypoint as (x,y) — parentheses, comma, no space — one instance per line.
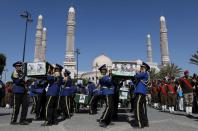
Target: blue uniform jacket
(32,90)
(107,85)
(91,89)
(39,86)
(66,88)
(54,85)
(18,84)
(141,87)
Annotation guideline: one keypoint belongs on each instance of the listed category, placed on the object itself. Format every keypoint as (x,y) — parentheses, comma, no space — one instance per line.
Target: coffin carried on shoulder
(37,69)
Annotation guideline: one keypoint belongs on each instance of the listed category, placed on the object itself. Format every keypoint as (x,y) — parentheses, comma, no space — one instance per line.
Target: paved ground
(159,121)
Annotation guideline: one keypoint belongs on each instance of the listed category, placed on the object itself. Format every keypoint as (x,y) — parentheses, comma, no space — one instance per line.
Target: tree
(170,70)
(2,62)
(153,74)
(194,59)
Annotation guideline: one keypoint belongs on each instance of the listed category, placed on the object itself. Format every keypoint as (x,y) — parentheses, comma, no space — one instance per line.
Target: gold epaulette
(15,74)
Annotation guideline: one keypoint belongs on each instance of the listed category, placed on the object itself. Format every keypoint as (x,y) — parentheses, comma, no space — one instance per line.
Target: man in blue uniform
(93,93)
(32,94)
(140,91)
(107,90)
(20,95)
(54,81)
(39,89)
(66,91)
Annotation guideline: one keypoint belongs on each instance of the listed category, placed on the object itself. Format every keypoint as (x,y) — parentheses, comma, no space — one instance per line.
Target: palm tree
(194,59)
(153,74)
(2,62)
(170,70)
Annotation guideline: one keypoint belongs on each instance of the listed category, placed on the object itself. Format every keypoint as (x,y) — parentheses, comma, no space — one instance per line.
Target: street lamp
(77,51)
(27,16)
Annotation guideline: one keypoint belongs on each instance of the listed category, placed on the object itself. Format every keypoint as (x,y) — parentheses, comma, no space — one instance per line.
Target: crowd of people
(55,96)
(175,94)
(6,95)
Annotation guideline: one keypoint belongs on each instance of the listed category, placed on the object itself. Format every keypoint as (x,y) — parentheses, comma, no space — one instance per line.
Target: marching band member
(20,95)
(64,95)
(107,90)
(52,94)
(93,101)
(140,111)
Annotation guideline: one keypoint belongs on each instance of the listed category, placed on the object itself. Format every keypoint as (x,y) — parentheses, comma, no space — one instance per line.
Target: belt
(104,87)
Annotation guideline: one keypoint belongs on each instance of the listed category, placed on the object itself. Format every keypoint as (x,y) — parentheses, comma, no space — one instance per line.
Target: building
(70,63)
(164,42)
(123,66)
(40,43)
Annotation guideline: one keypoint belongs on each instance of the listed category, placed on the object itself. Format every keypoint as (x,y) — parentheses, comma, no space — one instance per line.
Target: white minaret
(43,49)
(70,63)
(38,44)
(149,49)
(164,42)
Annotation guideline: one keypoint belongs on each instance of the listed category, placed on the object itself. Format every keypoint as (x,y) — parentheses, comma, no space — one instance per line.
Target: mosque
(123,66)
(70,62)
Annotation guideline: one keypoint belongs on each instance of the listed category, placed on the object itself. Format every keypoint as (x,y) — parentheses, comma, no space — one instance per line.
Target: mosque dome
(100,60)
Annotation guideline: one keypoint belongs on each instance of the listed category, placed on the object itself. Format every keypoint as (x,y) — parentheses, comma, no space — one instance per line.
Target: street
(159,121)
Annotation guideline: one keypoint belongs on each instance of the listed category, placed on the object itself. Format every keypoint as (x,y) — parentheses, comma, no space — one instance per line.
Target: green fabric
(81,98)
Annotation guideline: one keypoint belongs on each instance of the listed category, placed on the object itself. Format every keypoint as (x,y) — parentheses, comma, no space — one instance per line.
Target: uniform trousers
(108,112)
(20,99)
(140,111)
(93,104)
(171,99)
(64,106)
(116,101)
(40,105)
(51,109)
(163,99)
(71,104)
(188,97)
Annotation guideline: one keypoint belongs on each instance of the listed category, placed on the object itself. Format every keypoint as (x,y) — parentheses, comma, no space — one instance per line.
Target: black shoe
(46,124)
(93,113)
(115,118)
(190,116)
(24,123)
(134,125)
(146,125)
(13,123)
(98,120)
(55,123)
(102,124)
(38,119)
(63,118)
(137,127)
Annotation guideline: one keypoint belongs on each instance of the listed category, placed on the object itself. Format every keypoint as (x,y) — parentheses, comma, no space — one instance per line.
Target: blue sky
(116,28)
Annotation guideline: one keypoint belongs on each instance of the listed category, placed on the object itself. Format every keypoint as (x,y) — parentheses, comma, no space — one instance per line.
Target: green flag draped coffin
(81,98)
(123,73)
